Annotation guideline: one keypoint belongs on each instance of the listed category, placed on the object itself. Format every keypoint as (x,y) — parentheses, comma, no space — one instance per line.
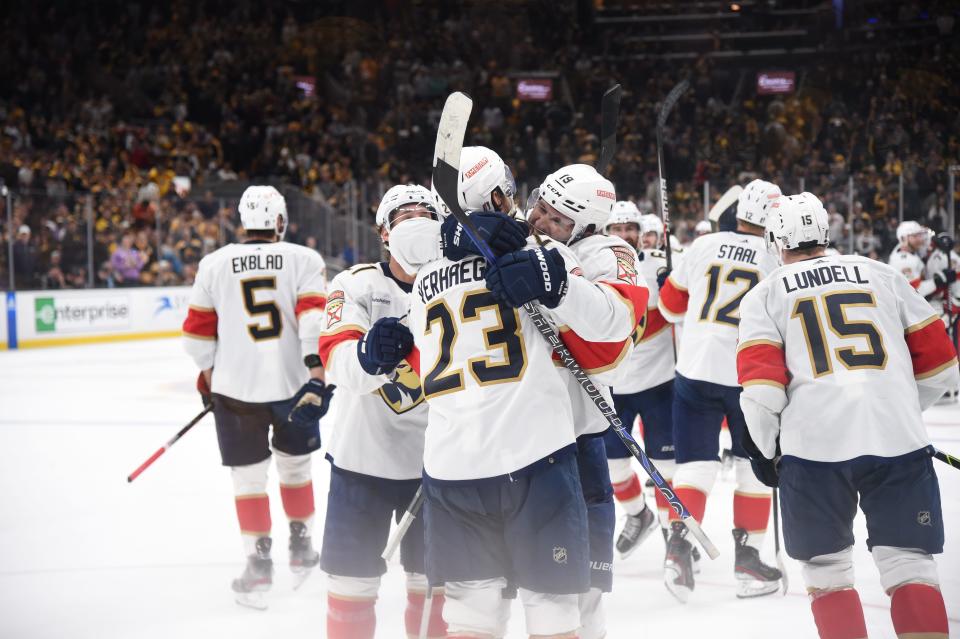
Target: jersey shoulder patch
(626,264)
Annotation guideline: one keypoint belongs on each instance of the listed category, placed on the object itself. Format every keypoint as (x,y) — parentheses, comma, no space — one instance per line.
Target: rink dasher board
(34,319)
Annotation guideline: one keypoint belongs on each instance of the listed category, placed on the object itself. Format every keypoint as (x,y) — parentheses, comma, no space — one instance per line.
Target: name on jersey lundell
(822,275)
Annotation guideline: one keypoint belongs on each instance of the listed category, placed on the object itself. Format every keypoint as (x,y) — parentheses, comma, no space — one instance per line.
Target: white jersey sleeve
(379,420)
(704,294)
(836,350)
(254,313)
(652,361)
(911,266)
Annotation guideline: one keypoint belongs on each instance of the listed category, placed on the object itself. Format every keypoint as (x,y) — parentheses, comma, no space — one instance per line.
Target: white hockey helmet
(404,195)
(262,208)
(582,194)
(798,222)
(482,171)
(651,223)
(753,205)
(624,212)
(702,228)
(908,228)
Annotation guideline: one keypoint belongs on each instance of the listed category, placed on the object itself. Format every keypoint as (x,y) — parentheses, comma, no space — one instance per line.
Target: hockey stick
(784,580)
(947,459)
(453,126)
(668,103)
(726,200)
(609,115)
(166,447)
(405,522)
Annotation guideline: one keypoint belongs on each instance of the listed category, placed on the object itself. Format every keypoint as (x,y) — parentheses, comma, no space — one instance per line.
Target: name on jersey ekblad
(821,276)
(257,262)
(738,253)
(438,281)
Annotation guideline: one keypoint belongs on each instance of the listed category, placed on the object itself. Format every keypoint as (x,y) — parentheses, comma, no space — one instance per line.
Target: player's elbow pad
(761,410)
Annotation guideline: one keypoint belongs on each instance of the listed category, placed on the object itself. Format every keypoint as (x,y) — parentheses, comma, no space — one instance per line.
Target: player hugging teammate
(445,384)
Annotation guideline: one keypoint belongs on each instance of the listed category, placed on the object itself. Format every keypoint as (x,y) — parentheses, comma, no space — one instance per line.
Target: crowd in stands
(134,115)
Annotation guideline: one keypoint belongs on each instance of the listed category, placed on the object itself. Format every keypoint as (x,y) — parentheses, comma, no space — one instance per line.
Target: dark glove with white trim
(311,402)
(502,233)
(528,275)
(766,470)
(384,345)
(662,276)
(945,278)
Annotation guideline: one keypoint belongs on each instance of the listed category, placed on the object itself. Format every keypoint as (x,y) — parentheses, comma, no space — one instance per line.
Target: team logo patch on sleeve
(626,264)
(334,308)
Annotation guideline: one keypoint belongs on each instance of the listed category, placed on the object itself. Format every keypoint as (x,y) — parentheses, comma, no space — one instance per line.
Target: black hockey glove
(501,232)
(662,276)
(945,278)
(527,275)
(766,470)
(384,345)
(944,242)
(311,403)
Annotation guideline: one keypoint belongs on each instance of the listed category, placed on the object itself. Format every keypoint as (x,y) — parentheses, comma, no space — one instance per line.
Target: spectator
(126,262)
(24,260)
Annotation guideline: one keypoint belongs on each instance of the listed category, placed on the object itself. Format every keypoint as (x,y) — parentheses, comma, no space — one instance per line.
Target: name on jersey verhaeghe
(823,275)
(739,253)
(443,278)
(257,262)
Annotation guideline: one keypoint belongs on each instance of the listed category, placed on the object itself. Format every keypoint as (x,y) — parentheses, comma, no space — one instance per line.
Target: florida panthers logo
(626,267)
(404,392)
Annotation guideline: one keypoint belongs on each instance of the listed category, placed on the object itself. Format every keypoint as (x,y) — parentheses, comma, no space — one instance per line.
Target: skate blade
(643,536)
(300,575)
(679,591)
(255,600)
(748,588)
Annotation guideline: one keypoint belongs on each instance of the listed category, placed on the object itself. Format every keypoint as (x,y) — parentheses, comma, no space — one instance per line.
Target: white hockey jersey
(497,400)
(256,310)
(604,258)
(839,355)
(704,293)
(652,361)
(912,267)
(937,263)
(380,419)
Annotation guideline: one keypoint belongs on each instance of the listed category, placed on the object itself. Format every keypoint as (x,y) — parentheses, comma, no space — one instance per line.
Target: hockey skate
(257,577)
(636,528)
(678,566)
(694,554)
(754,578)
(303,558)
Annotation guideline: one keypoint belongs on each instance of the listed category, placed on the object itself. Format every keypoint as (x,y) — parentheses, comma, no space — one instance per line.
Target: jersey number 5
(267,308)
(504,336)
(807,310)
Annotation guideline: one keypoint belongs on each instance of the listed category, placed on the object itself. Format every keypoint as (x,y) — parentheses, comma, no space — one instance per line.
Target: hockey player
(838,355)
(567,199)
(255,315)
(704,292)
(376,453)
(907,258)
(480,356)
(644,388)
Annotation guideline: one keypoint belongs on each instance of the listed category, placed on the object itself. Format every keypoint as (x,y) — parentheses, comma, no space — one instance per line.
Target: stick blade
(728,199)
(451,130)
(694,526)
(609,115)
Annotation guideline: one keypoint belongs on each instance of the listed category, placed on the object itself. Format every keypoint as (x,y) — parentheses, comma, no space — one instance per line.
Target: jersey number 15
(807,310)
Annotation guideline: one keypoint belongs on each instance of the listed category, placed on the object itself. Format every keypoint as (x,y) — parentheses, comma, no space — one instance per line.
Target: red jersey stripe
(310,303)
(930,348)
(762,363)
(328,342)
(674,297)
(200,323)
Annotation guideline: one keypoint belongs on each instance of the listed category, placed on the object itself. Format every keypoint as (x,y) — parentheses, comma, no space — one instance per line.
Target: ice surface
(84,554)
